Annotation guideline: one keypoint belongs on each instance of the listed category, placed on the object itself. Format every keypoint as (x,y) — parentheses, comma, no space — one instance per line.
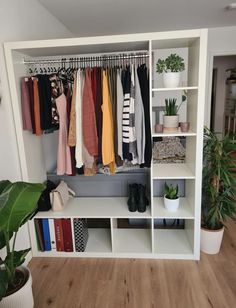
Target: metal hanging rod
(87,59)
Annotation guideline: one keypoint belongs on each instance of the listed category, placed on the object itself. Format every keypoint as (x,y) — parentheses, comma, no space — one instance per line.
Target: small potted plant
(171,118)
(171,198)
(18,202)
(218,189)
(171,67)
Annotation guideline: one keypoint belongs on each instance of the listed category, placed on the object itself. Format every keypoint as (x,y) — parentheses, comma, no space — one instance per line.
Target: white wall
(221,63)
(221,41)
(19,20)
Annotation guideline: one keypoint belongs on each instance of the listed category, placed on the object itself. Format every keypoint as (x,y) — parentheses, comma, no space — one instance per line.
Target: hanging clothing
(45,102)
(38,130)
(132,133)
(25,105)
(119,115)
(63,156)
(98,111)
(31,96)
(108,155)
(126,112)
(78,88)
(72,125)
(144,86)
(90,137)
(139,122)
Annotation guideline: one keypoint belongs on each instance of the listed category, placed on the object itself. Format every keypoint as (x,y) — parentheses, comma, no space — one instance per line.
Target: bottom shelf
(132,241)
(99,240)
(172,242)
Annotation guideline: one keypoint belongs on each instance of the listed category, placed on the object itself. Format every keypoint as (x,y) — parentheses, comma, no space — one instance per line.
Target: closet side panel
(32,145)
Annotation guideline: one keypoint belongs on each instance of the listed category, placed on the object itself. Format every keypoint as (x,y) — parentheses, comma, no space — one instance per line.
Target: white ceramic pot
(23,298)
(171,205)
(211,240)
(171,123)
(171,80)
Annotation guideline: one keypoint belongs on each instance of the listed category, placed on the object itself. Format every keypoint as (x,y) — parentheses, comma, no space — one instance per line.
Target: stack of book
(54,234)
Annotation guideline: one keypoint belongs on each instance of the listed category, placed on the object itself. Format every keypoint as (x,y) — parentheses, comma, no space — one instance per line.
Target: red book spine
(67,234)
(59,234)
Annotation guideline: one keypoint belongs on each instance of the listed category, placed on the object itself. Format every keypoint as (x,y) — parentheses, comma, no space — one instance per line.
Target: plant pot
(171,80)
(171,123)
(171,205)
(22,298)
(211,240)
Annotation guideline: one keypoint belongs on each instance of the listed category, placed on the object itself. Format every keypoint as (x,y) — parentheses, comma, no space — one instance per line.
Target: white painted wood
(172,242)
(116,242)
(184,212)
(135,241)
(96,207)
(174,89)
(172,171)
(174,134)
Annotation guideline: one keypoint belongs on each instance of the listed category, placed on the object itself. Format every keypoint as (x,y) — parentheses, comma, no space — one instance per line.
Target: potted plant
(18,202)
(218,189)
(171,198)
(171,118)
(171,67)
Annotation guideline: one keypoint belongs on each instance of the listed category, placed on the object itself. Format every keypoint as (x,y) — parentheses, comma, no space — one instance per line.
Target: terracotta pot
(211,240)
(171,80)
(158,128)
(22,298)
(171,123)
(184,127)
(171,205)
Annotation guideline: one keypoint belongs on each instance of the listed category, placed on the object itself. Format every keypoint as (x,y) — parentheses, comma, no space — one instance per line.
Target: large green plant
(18,202)
(173,63)
(219,180)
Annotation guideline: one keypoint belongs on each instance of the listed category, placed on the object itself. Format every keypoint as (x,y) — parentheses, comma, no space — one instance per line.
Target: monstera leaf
(17,201)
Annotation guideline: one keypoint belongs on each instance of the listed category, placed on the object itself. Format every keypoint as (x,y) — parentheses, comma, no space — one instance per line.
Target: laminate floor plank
(138,283)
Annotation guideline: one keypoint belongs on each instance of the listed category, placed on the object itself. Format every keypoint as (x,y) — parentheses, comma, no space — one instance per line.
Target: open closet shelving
(116,241)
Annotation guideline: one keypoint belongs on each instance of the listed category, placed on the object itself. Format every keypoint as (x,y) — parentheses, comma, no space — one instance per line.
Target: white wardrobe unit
(115,241)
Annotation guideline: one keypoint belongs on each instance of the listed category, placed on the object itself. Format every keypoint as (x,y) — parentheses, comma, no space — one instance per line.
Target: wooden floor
(118,283)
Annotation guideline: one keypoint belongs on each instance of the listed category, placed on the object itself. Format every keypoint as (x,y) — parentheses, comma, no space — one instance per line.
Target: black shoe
(143,200)
(133,197)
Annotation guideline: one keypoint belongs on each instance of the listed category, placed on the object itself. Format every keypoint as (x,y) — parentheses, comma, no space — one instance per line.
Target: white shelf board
(172,171)
(132,241)
(184,212)
(171,242)
(174,89)
(173,134)
(96,207)
(99,240)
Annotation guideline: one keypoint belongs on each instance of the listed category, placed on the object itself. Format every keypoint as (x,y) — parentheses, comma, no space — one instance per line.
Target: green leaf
(4,185)
(16,203)
(18,257)
(3,283)
(3,240)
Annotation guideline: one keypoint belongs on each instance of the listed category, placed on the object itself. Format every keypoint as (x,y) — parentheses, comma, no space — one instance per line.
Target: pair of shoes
(137,198)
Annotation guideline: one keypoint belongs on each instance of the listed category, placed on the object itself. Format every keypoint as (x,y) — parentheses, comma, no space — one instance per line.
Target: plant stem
(12,268)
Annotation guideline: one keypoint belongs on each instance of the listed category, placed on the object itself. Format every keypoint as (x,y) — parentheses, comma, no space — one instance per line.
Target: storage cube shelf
(185,210)
(172,171)
(116,241)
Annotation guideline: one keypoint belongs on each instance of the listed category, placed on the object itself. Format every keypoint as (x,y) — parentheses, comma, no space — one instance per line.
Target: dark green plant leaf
(18,257)
(16,203)
(3,240)
(4,185)
(3,283)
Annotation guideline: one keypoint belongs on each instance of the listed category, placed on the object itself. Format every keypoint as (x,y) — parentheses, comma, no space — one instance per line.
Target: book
(39,233)
(46,234)
(59,234)
(67,234)
(52,234)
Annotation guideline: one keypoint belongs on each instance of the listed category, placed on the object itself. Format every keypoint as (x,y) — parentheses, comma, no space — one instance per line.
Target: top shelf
(174,89)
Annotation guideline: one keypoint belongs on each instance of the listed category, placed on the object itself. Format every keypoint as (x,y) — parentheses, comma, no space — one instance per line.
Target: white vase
(171,205)
(171,123)
(23,298)
(171,80)
(211,240)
